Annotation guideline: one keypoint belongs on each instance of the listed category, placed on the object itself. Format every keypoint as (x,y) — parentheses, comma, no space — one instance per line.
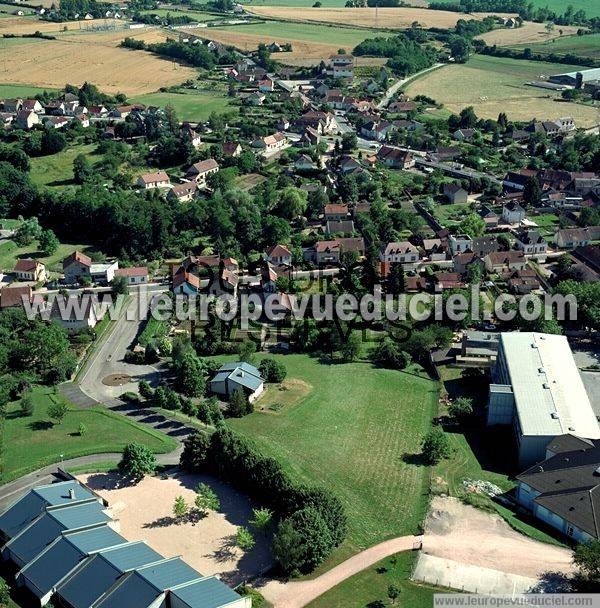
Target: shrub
(436,446)
(272,370)
(27,406)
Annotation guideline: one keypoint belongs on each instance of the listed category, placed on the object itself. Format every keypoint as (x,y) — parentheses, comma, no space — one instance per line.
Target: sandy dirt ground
(145,513)
(464,534)
(529,33)
(366,17)
(94,57)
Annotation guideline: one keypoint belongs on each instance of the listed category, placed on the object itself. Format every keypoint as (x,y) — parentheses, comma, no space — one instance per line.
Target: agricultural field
(10,91)
(190,105)
(200,16)
(529,34)
(388,18)
(76,57)
(57,169)
(30,442)
(592,9)
(359,441)
(501,88)
(584,46)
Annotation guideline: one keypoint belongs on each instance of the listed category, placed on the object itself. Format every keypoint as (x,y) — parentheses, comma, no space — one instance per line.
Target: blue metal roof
(79,516)
(59,493)
(33,540)
(21,514)
(95,539)
(52,566)
(245,379)
(228,367)
(206,593)
(89,583)
(134,591)
(131,556)
(169,573)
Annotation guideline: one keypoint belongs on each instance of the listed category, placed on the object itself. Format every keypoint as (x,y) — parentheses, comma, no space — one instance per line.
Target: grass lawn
(346,37)
(370,585)
(11,91)
(452,214)
(198,15)
(57,169)
(33,442)
(501,88)
(10,253)
(584,46)
(190,105)
(355,433)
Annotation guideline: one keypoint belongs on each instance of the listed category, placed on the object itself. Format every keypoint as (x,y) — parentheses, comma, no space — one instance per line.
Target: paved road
(389,94)
(301,593)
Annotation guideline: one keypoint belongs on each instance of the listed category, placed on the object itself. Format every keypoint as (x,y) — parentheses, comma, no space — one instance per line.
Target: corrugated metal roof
(134,591)
(241,365)
(549,394)
(34,539)
(131,556)
(95,539)
(79,516)
(245,379)
(169,574)
(58,493)
(21,514)
(206,593)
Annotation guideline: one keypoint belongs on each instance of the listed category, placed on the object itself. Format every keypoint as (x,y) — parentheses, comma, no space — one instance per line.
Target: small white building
(238,375)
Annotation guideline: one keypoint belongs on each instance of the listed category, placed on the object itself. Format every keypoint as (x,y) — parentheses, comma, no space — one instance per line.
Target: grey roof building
(238,375)
(62,540)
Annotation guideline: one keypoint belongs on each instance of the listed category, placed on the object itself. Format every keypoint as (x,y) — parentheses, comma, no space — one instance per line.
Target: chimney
(72,493)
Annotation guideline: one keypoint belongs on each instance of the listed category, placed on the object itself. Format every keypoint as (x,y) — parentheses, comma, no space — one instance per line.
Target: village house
(512,213)
(395,158)
(76,268)
(231,148)
(266,85)
(455,193)
(136,275)
(336,212)
(340,227)
(183,193)
(570,238)
(279,255)
(32,105)
(27,119)
(491,218)
(504,262)
(12,105)
(329,252)
(482,245)
(522,282)
(464,135)
(270,143)
(190,134)
(435,249)
(399,107)
(448,280)
(56,122)
(401,252)
(459,243)
(305,163)
(377,129)
(340,66)
(13,295)
(200,171)
(149,181)
(531,242)
(103,273)
(255,99)
(76,313)
(28,269)
(462,261)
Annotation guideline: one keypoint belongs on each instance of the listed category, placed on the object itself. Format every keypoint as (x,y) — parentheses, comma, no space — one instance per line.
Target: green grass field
(501,87)
(34,441)
(356,432)
(584,46)
(57,169)
(592,9)
(12,91)
(190,105)
(346,37)
(198,15)
(371,585)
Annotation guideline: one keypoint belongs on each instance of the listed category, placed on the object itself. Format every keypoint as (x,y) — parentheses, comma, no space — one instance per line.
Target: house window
(570,530)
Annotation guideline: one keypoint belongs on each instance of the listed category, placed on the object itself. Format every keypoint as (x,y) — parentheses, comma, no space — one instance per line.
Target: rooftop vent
(554,415)
(541,370)
(546,385)
(72,493)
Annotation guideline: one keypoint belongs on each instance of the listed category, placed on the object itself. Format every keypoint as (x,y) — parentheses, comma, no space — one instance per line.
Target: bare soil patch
(527,34)
(470,536)
(284,395)
(394,18)
(116,379)
(144,512)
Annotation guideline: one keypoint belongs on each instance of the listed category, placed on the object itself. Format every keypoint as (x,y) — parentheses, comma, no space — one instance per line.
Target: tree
(27,232)
(473,225)
(48,242)
(189,371)
(262,519)
(206,499)
(272,370)
(180,507)
(351,346)
(82,169)
(4,593)
(246,351)
(81,429)
(394,592)
(244,539)
(349,141)
(120,286)
(145,390)
(460,48)
(57,410)
(292,202)
(389,354)
(53,141)
(435,446)
(587,559)
(532,194)
(396,280)
(27,406)
(137,461)
(238,404)
(461,407)
(195,452)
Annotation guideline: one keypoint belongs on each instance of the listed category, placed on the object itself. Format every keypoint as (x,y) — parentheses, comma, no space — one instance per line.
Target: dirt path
(298,594)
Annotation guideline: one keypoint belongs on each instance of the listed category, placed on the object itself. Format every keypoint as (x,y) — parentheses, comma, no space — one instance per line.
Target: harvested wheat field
(29,25)
(93,57)
(528,33)
(145,512)
(393,18)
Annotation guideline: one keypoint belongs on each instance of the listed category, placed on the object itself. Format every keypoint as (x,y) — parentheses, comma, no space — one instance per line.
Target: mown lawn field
(371,585)
(194,106)
(31,442)
(57,169)
(501,87)
(584,46)
(12,91)
(355,432)
(592,9)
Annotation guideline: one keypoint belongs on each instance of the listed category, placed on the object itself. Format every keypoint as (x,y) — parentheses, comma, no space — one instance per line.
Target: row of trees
(312,521)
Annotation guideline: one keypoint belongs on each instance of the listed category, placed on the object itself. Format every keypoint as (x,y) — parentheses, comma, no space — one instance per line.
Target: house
(63,545)
(231,148)
(200,171)
(32,105)
(531,242)
(238,376)
(149,181)
(462,261)
(570,238)
(329,252)
(395,158)
(14,294)
(398,107)
(482,245)
(536,388)
(28,269)
(266,85)
(563,489)
(377,129)
(478,348)
(56,122)
(27,119)
(435,249)
(310,137)
(279,255)
(512,213)
(74,312)
(523,282)
(340,66)
(336,212)
(270,143)
(136,275)
(55,107)
(183,193)
(103,272)
(207,274)
(491,218)
(13,106)
(187,132)
(501,262)
(464,134)
(98,111)
(401,252)
(459,243)
(343,227)
(304,163)
(77,267)
(448,280)
(455,193)
(255,99)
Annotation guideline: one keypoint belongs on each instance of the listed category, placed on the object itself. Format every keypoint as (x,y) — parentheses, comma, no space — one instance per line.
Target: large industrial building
(536,388)
(65,547)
